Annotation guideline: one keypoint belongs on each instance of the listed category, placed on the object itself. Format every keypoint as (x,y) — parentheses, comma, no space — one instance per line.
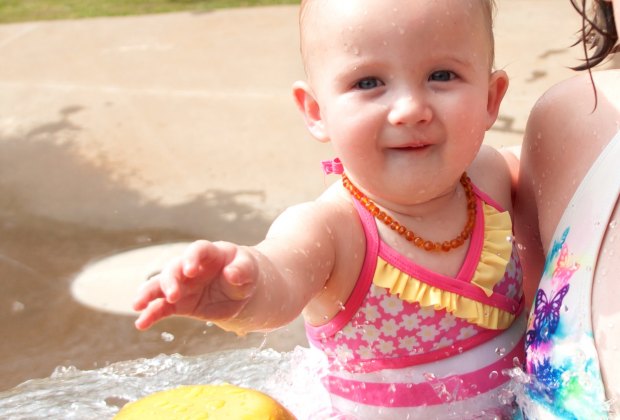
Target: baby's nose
(410,110)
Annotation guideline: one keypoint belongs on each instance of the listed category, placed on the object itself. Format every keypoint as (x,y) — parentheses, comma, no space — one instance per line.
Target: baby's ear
(498,85)
(309,107)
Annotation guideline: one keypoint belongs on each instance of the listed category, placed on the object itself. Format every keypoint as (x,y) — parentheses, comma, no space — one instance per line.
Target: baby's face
(402,87)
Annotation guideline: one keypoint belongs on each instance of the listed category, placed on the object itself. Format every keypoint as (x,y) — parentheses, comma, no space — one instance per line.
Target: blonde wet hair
(488,7)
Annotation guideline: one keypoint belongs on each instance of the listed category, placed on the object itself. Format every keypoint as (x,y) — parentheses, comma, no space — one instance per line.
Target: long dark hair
(598,34)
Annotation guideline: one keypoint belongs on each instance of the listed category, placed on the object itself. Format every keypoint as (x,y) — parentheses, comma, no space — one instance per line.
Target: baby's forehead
(334,19)
(357,23)
(314,15)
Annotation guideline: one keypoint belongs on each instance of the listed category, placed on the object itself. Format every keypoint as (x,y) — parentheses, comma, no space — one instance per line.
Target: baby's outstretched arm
(246,288)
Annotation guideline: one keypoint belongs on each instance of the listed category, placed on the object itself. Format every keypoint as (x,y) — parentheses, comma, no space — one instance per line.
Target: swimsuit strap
(561,353)
(364,281)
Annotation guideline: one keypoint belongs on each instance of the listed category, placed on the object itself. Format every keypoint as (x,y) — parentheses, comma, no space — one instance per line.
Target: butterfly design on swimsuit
(564,269)
(546,316)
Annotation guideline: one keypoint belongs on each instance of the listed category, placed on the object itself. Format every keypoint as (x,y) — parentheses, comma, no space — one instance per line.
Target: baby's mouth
(412,147)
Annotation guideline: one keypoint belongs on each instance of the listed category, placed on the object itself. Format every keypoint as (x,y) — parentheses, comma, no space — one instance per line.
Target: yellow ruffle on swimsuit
(213,402)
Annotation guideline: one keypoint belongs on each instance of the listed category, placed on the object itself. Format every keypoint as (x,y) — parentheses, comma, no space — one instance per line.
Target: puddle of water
(45,327)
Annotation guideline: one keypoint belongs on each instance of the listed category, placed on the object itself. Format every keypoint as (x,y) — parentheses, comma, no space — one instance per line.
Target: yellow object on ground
(213,402)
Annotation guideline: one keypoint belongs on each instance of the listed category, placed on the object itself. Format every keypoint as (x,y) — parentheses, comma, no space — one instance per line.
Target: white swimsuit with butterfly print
(561,355)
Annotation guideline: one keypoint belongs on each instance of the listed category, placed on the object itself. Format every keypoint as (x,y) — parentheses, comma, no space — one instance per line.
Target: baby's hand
(211,281)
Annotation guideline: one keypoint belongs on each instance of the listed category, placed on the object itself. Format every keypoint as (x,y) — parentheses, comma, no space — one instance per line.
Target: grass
(31,10)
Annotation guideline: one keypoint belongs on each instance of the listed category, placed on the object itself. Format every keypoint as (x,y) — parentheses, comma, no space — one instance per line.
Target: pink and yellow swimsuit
(411,343)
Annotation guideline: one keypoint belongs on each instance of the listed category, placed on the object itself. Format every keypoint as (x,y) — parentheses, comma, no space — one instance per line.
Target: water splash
(70,393)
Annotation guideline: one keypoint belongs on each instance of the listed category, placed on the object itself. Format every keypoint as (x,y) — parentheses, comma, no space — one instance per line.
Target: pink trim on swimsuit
(361,288)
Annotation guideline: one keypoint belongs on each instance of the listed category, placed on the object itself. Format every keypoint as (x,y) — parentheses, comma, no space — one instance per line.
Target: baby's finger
(155,311)
(148,291)
(241,269)
(235,286)
(206,258)
(170,279)
(239,276)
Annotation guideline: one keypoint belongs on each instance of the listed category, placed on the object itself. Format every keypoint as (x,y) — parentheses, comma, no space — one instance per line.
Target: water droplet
(500,351)
(429,376)
(493,375)
(167,337)
(506,396)
(263,342)
(17,306)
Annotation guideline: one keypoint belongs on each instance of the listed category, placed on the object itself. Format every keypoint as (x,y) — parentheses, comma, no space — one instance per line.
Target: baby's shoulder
(331,211)
(491,174)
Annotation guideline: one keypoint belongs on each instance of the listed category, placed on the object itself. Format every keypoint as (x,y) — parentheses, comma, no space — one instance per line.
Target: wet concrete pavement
(118,133)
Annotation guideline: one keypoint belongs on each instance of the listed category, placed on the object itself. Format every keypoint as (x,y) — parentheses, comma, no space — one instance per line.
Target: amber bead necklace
(409,235)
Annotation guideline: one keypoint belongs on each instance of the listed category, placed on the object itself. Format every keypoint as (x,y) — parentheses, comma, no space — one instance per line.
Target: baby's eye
(442,76)
(368,83)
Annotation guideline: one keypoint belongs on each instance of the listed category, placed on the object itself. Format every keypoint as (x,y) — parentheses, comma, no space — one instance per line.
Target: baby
(405,271)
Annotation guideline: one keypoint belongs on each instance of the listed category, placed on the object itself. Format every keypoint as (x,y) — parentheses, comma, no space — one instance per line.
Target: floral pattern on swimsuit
(563,365)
